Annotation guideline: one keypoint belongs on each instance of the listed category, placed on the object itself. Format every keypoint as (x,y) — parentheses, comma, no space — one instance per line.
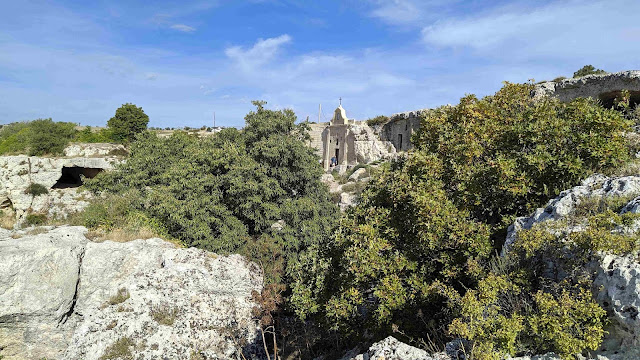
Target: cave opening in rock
(72,176)
(608,99)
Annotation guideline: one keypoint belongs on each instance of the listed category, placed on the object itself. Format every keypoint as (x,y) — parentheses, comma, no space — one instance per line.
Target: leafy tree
(403,250)
(223,193)
(414,253)
(588,70)
(87,135)
(37,137)
(506,154)
(128,121)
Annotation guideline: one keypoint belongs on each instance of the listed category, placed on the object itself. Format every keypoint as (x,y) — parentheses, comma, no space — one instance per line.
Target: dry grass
(37,231)
(164,315)
(121,235)
(121,349)
(629,169)
(120,297)
(7,220)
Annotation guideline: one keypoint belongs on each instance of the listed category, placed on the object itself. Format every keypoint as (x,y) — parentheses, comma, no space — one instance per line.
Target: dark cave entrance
(607,99)
(72,176)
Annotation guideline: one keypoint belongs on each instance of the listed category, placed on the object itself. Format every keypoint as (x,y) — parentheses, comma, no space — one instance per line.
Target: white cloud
(262,52)
(410,13)
(561,29)
(397,11)
(183,28)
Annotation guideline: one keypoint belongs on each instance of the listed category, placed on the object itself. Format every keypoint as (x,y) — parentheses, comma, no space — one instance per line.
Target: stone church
(349,142)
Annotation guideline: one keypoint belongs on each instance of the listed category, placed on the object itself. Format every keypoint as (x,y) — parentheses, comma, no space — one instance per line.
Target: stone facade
(350,142)
(602,87)
(400,128)
(338,140)
(354,142)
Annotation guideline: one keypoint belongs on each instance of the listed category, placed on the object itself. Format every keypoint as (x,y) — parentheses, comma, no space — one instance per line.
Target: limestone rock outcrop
(94,150)
(17,173)
(65,297)
(347,194)
(565,203)
(368,147)
(617,283)
(603,87)
(392,349)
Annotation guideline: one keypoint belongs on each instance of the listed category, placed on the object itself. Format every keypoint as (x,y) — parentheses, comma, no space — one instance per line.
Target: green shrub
(36,219)
(37,137)
(542,296)
(503,319)
(405,248)
(354,187)
(36,189)
(413,256)
(588,70)
(568,323)
(559,79)
(128,121)
(378,120)
(506,154)
(223,193)
(48,137)
(14,138)
(87,135)
(489,319)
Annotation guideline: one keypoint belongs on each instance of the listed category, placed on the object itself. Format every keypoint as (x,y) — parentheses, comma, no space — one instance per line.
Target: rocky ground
(346,189)
(17,173)
(65,297)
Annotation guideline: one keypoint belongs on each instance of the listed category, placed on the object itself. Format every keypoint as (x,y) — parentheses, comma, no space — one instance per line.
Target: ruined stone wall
(602,87)
(400,128)
(316,136)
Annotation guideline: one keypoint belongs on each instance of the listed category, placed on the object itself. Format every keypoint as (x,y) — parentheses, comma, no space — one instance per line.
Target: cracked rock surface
(617,280)
(20,171)
(65,297)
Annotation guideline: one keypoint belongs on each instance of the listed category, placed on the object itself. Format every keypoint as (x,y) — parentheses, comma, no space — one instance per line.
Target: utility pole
(214,120)
(319,112)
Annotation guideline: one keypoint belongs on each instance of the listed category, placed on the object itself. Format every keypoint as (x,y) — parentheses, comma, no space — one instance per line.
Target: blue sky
(181,61)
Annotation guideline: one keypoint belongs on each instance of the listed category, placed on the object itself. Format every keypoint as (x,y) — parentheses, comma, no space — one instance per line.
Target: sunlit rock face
(63,296)
(604,87)
(61,176)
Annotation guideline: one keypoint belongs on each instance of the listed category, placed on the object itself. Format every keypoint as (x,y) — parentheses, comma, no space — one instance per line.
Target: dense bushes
(37,137)
(378,120)
(46,137)
(588,70)
(405,249)
(538,297)
(506,154)
(225,192)
(413,256)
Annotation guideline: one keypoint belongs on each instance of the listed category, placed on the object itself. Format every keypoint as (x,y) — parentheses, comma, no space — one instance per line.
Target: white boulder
(64,297)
